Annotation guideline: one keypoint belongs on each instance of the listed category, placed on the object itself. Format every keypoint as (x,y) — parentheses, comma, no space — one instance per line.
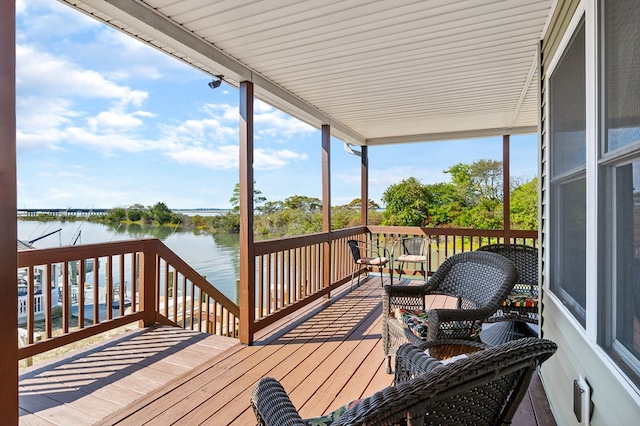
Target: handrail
(161,288)
(289,271)
(290,274)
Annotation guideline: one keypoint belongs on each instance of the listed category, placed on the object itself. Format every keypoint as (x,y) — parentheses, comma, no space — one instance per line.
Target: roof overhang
(377,72)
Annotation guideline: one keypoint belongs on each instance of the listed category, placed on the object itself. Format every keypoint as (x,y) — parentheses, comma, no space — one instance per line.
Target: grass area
(56,327)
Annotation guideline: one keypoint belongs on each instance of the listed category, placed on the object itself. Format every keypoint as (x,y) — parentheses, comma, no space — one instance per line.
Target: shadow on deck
(162,376)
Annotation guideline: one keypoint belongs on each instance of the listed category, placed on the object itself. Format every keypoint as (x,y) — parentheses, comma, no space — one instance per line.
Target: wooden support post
(247,252)
(148,271)
(364,187)
(326,205)
(8,217)
(506,191)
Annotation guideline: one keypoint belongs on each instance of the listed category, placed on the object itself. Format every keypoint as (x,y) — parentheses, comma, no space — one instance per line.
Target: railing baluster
(96,291)
(81,275)
(109,288)
(122,289)
(134,282)
(174,295)
(183,323)
(261,285)
(207,315)
(66,306)
(30,300)
(192,307)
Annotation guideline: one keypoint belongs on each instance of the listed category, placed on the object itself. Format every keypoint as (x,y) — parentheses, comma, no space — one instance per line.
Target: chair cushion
(412,258)
(372,260)
(327,419)
(518,299)
(417,321)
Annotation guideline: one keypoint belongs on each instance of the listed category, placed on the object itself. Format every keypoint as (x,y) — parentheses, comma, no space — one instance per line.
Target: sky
(106,121)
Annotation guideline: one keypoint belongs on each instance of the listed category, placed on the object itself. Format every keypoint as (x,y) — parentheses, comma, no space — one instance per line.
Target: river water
(215,256)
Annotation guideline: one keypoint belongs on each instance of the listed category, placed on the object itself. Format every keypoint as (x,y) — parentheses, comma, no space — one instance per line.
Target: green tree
(160,213)
(478,186)
(303,203)
(444,204)
(227,223)
(406,203)
(116,214)
(135,212)
(524,206)
(480,180)
(258,199)
(272,207)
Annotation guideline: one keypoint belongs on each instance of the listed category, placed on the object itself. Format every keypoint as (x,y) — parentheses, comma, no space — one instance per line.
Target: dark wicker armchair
(526,260)
(479,280)
(521,305)
(485,388)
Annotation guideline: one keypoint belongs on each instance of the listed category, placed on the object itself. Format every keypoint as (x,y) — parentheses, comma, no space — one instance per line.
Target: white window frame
(589,9)
(591,282)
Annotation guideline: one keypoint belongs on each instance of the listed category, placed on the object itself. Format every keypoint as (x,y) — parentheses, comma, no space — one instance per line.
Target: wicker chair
(485,388)
(521,306)
(479,280)
(526,261)
(411,250)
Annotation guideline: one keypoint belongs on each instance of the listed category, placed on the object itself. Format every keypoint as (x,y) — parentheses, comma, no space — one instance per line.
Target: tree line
(473,198)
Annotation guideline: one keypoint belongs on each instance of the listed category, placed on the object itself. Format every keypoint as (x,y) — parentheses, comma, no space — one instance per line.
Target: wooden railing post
(147,284)
(506,185)
(247,250)
(8,213)
(326,206)
(364,186)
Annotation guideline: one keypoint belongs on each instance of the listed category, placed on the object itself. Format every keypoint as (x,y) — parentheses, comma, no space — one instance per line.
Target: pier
(61,212)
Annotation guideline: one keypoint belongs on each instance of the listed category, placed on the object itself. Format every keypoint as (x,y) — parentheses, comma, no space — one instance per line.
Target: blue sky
(104,120)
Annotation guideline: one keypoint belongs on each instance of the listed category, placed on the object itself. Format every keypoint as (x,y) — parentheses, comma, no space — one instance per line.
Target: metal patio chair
(366,255)
(411,250)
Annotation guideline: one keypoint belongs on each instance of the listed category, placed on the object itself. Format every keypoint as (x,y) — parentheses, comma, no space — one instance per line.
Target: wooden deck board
(324,360)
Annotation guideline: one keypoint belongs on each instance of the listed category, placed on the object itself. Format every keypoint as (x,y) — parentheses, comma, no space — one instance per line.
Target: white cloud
(21,6)
(224,157)
(62,103)
(44,74)
(272,122)
(115,120)
(271,159)
(107,143)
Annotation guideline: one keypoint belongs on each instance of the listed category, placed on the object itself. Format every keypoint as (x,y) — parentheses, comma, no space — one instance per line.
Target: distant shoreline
(86,212)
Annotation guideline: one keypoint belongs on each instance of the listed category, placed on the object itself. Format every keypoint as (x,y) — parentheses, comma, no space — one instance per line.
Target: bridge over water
(102,212)
(62,212)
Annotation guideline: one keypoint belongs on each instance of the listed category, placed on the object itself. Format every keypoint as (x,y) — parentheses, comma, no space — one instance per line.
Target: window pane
(567,108)
(619,294)
(568,266)
(567,125)
(621,67)
(619,192)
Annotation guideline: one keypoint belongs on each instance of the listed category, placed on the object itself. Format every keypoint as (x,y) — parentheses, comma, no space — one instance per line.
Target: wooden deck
(164,376)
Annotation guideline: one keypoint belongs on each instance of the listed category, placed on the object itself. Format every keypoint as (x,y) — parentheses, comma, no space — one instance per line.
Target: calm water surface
(215,256)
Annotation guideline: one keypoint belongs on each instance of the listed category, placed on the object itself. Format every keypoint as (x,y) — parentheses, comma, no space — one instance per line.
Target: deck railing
(293,272)
(109,285)
(105,286)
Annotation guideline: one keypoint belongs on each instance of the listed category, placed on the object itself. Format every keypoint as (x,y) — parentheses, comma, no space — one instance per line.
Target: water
(215,256)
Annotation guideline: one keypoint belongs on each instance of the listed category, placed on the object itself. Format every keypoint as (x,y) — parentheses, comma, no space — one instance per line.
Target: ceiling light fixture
(347,147)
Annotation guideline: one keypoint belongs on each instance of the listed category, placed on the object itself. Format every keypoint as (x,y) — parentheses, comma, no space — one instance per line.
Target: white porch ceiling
(378,72)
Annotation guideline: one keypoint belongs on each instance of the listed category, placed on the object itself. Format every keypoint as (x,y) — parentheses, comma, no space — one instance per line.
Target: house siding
(615,402)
